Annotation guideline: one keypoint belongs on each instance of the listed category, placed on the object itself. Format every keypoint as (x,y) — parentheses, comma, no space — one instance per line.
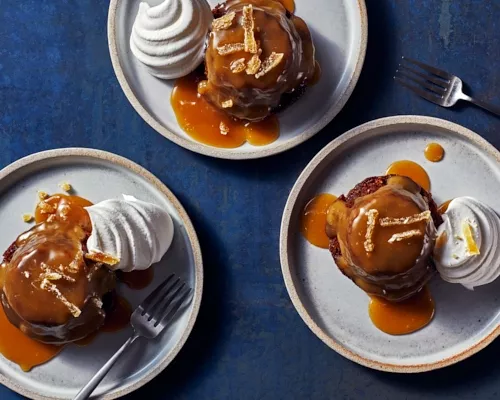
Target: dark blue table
(57,89)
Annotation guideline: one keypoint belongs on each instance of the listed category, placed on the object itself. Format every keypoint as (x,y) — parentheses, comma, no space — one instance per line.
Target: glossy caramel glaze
(253,96)
(412,170)
(68,208)
(404,317)
(313,220)
(380,265)
(50,291)
(202,121)
(434,152)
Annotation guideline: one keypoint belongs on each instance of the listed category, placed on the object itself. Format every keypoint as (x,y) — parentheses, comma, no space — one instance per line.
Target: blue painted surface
(57,89)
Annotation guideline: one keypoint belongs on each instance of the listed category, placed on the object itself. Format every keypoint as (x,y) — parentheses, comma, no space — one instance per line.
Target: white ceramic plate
(97,175)
(339,29)
(332,306)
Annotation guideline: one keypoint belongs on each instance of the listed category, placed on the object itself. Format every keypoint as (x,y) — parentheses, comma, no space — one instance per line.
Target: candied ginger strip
(372,221)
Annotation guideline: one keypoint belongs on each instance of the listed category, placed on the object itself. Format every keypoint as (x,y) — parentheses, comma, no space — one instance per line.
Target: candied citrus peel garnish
(471,244)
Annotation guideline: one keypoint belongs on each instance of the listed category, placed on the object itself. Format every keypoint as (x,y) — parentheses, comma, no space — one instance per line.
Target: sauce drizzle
(404,317)
(202,121)
(412,170)
(434,152)
(21,349)
(313,221)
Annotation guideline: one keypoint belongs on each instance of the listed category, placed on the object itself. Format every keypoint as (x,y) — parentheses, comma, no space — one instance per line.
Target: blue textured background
(57,89)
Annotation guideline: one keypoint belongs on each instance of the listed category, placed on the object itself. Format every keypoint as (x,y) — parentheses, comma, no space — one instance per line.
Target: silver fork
(148,320)
(435,85)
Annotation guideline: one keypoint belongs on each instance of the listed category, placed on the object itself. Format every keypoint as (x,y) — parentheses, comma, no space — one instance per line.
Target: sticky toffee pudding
(53,291)
(260,58)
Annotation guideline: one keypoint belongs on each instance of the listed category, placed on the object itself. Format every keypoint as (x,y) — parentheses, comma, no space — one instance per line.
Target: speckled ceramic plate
(97,175)
(332,306)
(339,29)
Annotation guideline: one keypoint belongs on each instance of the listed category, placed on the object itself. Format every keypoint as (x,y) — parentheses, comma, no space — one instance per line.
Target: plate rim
(193,238)
(387,122)
(207,150)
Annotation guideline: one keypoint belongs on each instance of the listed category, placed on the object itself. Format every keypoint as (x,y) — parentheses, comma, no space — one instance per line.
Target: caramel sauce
(444,207)
(404,317)
(22,350)
(202,121)
(117,318)
(289,5)
(352,224)
(412,170)
(136,279)
(434,152)
(74,205)
(313,221)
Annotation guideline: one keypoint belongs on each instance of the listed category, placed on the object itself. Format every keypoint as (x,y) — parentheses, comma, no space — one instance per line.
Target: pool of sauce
(313,220)
(202,121)
(22,350)
(434,152)
(412,170)
(405,317)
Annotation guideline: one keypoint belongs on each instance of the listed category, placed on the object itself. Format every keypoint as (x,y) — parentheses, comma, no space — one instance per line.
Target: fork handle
(487,106)
(87,390)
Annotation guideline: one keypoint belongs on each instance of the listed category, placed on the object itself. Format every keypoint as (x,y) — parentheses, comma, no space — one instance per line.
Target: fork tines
(165,300)
(431,83)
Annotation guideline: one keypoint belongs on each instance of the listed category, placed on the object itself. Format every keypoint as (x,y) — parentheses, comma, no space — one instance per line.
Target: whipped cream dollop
(467,250)
(136,233)
(170,37)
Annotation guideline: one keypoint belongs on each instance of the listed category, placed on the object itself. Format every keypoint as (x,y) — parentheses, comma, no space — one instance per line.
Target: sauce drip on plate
(434,152)
(22,350)
(404,317)
(412,170)
(204,123)
(313,221)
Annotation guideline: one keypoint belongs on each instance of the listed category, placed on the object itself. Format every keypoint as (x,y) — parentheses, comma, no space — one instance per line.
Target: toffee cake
(382,235)
(257,55)
(50,290)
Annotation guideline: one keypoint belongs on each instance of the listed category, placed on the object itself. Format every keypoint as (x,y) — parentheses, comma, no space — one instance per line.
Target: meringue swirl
(170,38)
(135,232)
(454,260)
